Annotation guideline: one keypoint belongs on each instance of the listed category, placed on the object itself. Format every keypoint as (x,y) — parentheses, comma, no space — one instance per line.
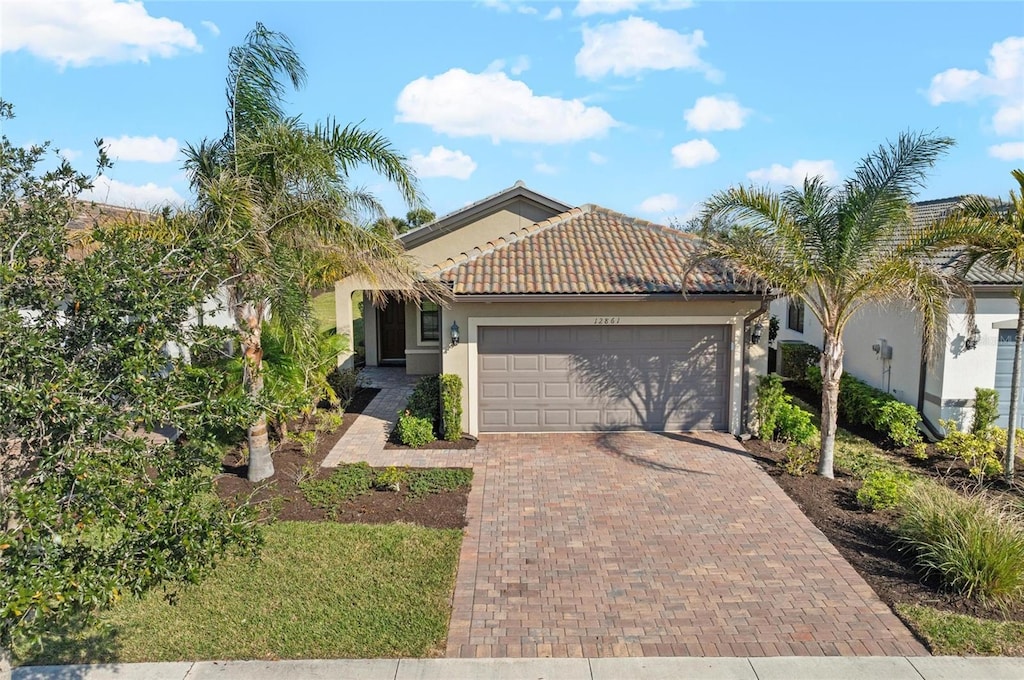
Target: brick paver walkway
(656,545)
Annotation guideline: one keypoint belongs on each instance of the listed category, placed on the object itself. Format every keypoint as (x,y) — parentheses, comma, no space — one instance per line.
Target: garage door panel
(493,418)
(571,378)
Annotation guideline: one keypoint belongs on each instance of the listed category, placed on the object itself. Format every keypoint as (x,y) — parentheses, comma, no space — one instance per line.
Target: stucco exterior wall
(461,359)
(894,325)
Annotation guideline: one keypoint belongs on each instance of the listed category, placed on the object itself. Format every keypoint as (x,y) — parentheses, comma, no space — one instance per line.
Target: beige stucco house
(571,319)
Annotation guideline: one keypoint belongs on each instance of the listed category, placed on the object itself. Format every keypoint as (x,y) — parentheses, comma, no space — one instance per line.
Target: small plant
(884,488)
(793,424)
(977,451)
(919,451)
(414,431)
(436,480)
(778,418)
(344,484)
(309,440)
(344,382)
(329,421)
(391,479)
(972,545)
(899,422)
(303,474)
(451,406)
(859,461)
(986,409)
(799,459)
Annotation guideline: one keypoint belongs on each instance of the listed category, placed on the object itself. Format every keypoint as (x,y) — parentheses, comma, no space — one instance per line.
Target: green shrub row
(861,404)
(778,418)
(451,406)
(434,411)
(355,479)
(795,357)
(973,545)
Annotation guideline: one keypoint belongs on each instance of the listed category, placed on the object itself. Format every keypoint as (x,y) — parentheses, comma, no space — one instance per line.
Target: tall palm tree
(1001,246)
(840,248)
(277,192)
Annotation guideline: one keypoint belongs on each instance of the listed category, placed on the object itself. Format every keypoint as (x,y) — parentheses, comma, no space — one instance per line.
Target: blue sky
(643,107)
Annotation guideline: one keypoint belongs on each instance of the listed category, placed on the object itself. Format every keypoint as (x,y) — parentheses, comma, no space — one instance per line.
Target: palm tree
(277,193)
(841,248)
(1001,247)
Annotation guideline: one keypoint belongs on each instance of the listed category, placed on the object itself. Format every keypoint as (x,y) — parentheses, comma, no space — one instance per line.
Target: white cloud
(659,204)
(70,155)
(144,149)
(116,192)
(1010,151)
(1003,82)
(442,162)
(634,45)
(554,14)
(694,153)
(463,104)
(509,6)
(596,158)
(213,28)
(712,114)
(545,168)
(588,7)
(794,175)
(83,32)
(520,65)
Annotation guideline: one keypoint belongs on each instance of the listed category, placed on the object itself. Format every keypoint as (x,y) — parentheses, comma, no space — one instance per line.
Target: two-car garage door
(585,378)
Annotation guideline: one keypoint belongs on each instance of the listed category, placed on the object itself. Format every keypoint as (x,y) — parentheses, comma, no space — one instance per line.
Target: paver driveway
(647,544)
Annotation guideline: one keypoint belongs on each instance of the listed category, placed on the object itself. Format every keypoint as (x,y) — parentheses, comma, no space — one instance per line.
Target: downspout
(745,387)
(932,431)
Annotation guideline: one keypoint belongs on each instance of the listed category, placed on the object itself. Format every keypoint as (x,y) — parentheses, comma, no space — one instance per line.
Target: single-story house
(884,343)
(570,319)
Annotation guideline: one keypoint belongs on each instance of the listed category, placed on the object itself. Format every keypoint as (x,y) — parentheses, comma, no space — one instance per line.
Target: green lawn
(323,309)
(318,590)
(958,635)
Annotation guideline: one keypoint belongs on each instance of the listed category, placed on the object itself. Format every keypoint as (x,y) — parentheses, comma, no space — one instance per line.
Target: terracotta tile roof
(585,250)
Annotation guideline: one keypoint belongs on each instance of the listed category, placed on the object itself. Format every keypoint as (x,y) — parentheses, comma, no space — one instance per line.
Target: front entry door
(391,325)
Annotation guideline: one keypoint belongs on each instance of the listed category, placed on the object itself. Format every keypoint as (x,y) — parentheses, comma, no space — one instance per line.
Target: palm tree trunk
(250,318)
(1011,427)
(831,372)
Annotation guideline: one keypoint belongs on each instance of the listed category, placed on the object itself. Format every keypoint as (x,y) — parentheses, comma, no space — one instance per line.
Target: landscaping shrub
(986,409)
(793,424)
(344,382)
(978,451)
(860,461)
(799,460)
(451,406)
(972,544)
(436,480)
(861,404)
(391,479)
(884,488)
(345,483)
(414,431)
(795,357)
(778,418)
(425,400)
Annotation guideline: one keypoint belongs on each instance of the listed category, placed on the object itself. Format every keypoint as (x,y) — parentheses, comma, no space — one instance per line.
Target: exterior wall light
(973,337)
(756,332)
(455,334)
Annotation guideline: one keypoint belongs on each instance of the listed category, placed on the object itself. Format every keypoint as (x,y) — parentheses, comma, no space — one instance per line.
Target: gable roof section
(474,211)
(588,250)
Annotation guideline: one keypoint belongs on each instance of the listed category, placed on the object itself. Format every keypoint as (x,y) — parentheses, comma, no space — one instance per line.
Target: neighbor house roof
(925,212)
(587,250)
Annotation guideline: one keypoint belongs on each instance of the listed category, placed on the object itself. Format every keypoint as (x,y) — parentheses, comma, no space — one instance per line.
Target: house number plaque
(606,320)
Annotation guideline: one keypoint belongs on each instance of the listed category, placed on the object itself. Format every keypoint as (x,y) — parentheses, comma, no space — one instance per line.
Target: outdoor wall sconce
(973,336)
(455,334)
(756,332)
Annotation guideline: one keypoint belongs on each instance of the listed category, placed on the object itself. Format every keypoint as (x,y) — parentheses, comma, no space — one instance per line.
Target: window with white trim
(430,319)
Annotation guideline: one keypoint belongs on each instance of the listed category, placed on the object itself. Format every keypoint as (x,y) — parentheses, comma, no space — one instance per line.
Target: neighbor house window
(795,317)
(429,322)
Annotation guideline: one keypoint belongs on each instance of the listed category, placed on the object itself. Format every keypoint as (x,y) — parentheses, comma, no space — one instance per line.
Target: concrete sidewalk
(637,668)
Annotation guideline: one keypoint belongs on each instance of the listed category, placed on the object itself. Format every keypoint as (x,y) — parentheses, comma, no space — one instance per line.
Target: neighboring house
(570,319)
(884,343)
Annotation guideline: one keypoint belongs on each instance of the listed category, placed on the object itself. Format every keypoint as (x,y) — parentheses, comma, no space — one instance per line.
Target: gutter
(603,297)
(745,386)
(932,431)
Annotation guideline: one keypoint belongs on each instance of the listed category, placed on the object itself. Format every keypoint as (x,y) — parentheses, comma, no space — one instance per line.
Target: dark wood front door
(391,326)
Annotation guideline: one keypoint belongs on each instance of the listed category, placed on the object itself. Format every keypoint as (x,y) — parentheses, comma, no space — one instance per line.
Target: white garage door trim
(736,369)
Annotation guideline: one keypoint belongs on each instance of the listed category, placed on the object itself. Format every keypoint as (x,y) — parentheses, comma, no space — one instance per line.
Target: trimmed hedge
(451,406)
(861,404)
(778,418)
(795,357)
(435,405)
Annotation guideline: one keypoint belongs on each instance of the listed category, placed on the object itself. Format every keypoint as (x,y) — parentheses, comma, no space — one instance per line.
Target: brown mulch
(866,539)
(466,442)
(279,497)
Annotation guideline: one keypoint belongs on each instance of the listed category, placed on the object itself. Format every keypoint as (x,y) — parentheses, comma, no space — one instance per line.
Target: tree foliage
(93,505)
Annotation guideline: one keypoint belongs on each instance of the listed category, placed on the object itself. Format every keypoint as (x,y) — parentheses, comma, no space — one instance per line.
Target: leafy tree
(413,219)
(841,248)
(1001,246)
(278,190)
(93,505)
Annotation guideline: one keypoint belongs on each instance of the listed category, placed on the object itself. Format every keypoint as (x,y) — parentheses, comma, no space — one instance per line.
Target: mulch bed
(279,497)
(866,539)
(467,442)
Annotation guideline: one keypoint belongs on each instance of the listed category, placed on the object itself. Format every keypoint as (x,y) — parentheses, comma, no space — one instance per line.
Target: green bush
(860,461)
(451,406)
(414,431)
(978,451)
(884,488)
(778,418)
(793,424)
(986,409)
(391,479)
(425,400)
(344,382)
(344,484)
(972,544)
(861,404)
(795,357)
(799,460)
(436,480)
